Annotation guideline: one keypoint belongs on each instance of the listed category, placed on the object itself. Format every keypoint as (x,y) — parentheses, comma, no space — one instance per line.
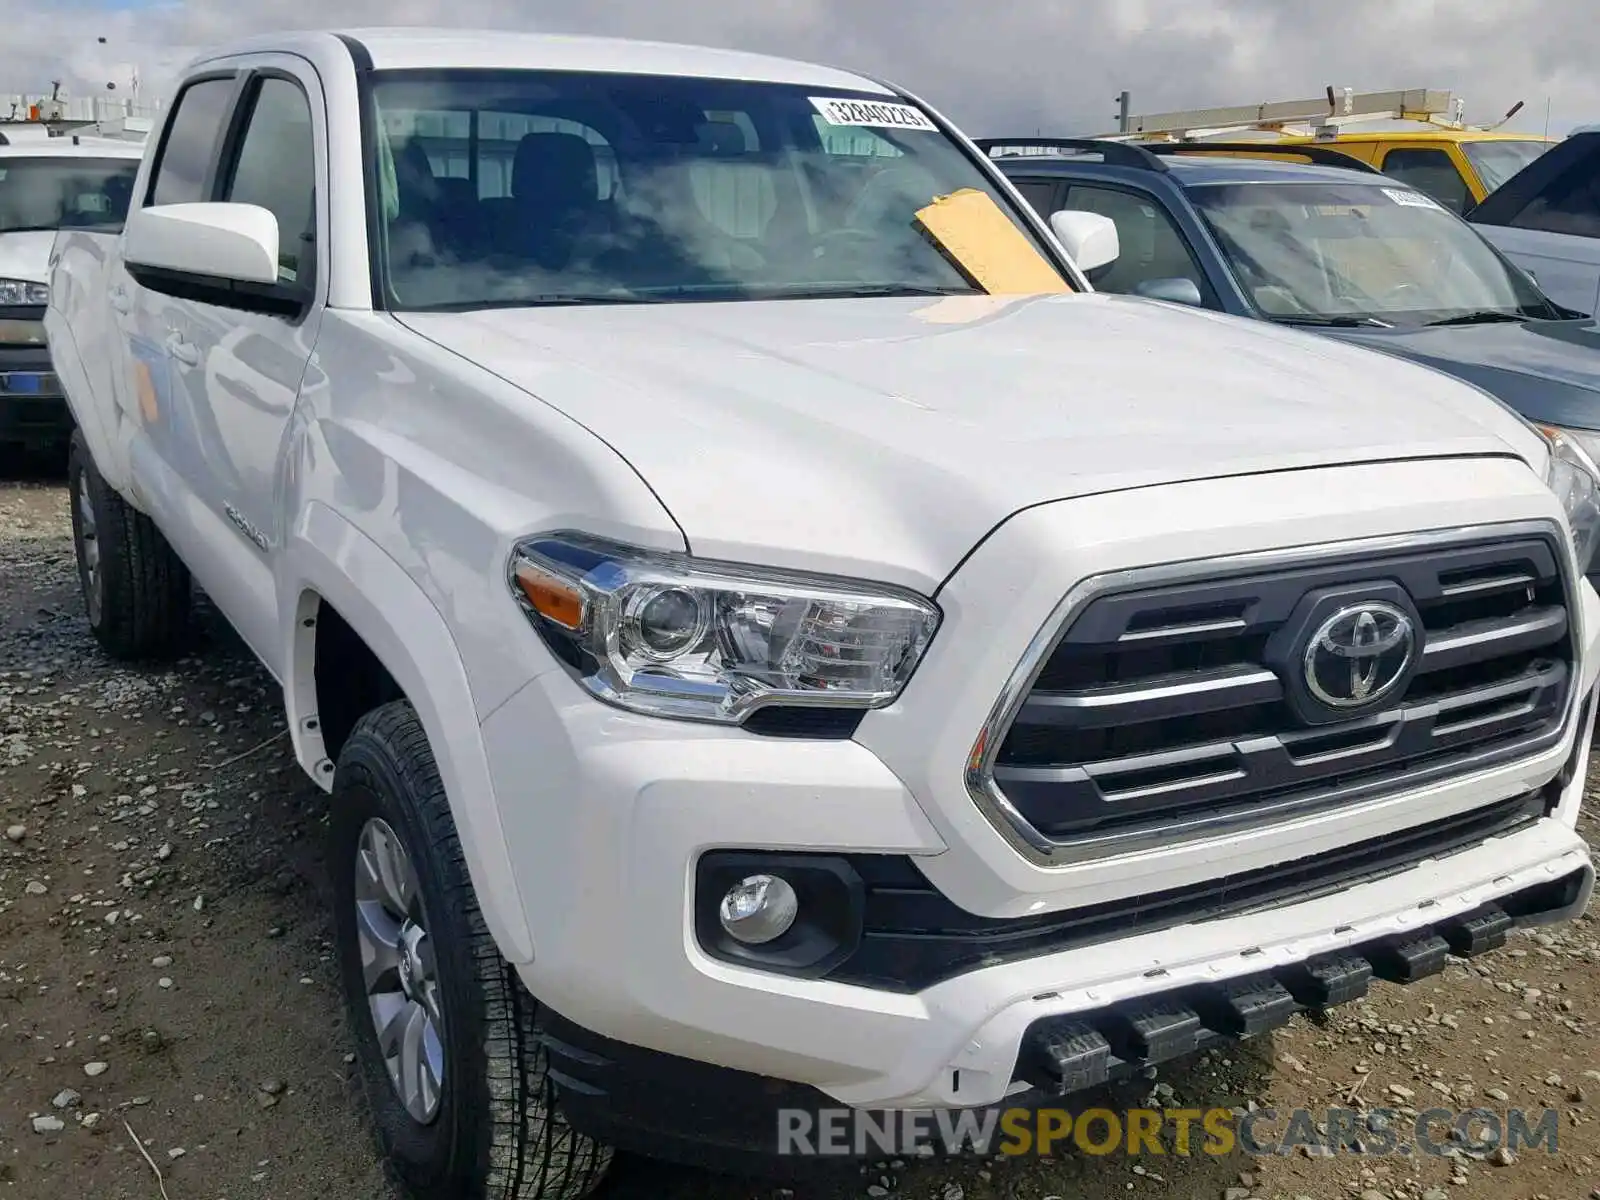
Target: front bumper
(608,816)
(696,1113)
(33,408)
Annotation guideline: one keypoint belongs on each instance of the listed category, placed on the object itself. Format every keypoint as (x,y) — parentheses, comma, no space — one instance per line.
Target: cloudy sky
(995,67)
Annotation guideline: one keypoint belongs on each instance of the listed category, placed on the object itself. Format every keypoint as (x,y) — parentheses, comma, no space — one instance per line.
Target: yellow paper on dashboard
(982,243)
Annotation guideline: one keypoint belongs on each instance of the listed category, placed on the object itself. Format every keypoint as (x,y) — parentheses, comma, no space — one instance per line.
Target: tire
(493,1132)
(136,591)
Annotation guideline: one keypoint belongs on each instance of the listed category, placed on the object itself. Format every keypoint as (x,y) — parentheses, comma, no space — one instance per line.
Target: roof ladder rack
(1324,115)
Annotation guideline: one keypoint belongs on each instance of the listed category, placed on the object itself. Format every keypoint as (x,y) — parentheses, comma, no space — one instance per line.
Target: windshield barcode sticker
(1410,199)
(872,113)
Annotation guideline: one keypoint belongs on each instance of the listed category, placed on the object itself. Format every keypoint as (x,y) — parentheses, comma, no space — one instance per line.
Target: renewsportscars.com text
(1181,1132)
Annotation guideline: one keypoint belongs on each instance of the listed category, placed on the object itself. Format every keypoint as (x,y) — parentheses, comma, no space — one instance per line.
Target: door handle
(185,352)
(120,300)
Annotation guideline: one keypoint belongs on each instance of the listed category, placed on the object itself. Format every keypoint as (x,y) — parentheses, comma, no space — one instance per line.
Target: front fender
(326,558)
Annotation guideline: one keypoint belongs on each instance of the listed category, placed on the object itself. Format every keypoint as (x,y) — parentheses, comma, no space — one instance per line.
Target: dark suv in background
(1327,244)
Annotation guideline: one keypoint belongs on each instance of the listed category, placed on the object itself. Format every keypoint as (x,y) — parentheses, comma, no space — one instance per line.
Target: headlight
(1572,475)
(20,291)
(671,636)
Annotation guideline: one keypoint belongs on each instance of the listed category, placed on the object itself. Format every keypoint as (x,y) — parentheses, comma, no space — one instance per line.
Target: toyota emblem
(1360,654)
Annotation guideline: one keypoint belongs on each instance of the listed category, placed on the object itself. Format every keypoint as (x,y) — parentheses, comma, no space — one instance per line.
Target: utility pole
(1124,107)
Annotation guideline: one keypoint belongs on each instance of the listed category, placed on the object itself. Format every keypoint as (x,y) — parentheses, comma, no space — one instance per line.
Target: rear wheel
(446,1039)
(136,591)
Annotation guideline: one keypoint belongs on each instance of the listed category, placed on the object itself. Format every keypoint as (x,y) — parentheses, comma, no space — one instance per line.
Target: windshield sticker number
(872,114)
(1410,199)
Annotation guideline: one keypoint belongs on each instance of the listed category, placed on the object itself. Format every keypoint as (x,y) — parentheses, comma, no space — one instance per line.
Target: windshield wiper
(851,291)
(550,301)
(1486,316)
(29,228)
(1340,322)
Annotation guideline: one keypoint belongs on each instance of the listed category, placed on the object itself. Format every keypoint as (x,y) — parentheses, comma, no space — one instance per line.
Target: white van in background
(47,184)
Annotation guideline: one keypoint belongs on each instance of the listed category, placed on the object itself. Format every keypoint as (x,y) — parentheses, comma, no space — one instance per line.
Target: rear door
(1546,219)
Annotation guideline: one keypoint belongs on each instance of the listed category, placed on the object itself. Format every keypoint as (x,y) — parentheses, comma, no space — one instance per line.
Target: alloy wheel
(400,970)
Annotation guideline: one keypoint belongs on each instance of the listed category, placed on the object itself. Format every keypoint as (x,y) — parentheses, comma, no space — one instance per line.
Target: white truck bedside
(752,667)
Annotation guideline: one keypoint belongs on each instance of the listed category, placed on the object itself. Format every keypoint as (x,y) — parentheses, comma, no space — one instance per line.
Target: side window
(1039,193)
(1431,172)
(1570,204)
(190,144)
(276,168)
(1151,247)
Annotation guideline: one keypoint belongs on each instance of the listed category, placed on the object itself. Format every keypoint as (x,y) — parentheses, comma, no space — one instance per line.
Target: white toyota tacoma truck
(754,667)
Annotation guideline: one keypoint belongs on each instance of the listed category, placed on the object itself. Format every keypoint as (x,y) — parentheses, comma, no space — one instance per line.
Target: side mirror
(1173,291)
(1090,239)
(219,244)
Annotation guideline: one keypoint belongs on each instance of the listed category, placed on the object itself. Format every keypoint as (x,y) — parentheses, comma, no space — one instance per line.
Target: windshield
(64,193)
(535,187)
(1497,162)
(1371,251)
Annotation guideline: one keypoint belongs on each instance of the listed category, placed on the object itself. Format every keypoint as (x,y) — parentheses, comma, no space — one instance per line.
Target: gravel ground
(166,975)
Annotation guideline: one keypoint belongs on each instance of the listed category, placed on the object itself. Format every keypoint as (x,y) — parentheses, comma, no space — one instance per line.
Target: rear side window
(190,146)
(1431,172)
(276,168)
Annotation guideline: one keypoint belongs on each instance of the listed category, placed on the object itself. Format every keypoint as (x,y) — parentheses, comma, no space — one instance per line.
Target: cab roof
(403,48)
(1196,169)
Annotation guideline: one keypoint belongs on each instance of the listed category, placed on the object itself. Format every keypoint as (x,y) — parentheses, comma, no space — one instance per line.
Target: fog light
(758,909)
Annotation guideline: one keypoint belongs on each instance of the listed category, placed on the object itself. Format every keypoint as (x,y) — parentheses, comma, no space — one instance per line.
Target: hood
(1545,370)
(26,255)
(888,436)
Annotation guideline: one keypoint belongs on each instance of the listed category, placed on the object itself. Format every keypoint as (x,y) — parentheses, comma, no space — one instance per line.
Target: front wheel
(446,1039)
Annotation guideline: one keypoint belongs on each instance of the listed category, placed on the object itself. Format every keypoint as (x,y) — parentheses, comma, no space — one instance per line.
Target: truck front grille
(1176,709)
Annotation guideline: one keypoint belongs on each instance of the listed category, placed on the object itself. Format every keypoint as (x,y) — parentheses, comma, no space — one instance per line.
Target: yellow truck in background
(1437,153)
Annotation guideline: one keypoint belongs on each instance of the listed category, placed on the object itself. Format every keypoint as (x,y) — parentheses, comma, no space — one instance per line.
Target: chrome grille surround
(1366,560)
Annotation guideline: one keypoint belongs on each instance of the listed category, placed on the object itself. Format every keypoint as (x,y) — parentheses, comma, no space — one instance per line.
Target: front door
(172,445)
